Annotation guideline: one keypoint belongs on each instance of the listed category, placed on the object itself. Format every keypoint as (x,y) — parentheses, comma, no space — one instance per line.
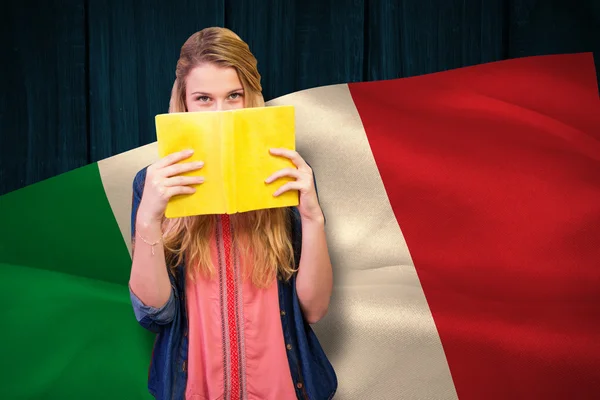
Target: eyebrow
(209,94)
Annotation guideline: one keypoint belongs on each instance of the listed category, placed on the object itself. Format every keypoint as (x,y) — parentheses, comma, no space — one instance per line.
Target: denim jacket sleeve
(149,317)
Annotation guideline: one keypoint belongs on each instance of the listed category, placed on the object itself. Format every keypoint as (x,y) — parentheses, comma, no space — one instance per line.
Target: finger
(293,155)
(173,158)
(178,169)
(291,172)
(183,181)
(287,187)
(178,190)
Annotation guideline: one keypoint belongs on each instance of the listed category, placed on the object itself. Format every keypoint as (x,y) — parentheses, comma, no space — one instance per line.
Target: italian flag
(463,218)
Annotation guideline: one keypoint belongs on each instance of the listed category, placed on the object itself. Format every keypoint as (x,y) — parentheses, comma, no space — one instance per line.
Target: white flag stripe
(117,175)
(380,334)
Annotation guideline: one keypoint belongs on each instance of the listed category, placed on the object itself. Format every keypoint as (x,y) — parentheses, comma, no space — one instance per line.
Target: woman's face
(212,88)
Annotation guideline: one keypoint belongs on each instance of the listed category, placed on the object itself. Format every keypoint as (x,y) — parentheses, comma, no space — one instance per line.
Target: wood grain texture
(301,44)
(43,100)
(408,38)
(133,54)
(329,44)
(269,28)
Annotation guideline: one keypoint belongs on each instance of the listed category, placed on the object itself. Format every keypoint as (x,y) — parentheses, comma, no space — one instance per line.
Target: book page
(200,131)
(257,130)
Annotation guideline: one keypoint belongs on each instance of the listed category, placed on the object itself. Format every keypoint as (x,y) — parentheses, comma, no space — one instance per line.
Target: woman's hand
(309,204)
(163,182)
(314,282)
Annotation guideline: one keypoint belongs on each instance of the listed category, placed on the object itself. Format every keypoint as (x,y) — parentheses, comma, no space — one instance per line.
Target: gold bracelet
(150,244)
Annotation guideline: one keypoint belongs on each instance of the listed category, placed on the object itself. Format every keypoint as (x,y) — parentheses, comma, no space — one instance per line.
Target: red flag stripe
(493,173)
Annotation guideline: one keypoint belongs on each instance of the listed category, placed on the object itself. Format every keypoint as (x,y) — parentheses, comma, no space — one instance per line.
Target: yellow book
(234,146)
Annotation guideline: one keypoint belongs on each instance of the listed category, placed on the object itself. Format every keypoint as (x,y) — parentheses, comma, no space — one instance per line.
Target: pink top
(236,345)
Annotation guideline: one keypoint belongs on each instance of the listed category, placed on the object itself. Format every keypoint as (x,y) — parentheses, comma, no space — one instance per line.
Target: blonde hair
(263,235)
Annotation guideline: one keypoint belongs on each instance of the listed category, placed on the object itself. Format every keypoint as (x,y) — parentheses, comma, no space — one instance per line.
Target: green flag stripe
(64,224)
(68,337)
(64,268)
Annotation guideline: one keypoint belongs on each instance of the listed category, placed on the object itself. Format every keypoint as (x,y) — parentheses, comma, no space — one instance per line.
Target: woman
(229,296)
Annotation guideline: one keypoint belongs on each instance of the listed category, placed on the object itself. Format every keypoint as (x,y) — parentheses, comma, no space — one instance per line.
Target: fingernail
(189,151)
(200,164)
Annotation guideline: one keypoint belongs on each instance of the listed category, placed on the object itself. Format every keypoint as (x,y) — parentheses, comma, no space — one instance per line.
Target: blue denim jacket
(313,375)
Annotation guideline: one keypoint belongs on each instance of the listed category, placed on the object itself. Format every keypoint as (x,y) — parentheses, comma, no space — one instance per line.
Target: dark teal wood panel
(408,38)
(43,130)
(301,44)
(329,42)
(134,47)
(269,28)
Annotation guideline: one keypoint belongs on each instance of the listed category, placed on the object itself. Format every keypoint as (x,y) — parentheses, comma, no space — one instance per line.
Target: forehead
(208,78)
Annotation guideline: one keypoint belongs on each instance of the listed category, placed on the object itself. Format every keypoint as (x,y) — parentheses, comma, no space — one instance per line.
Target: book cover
(234,146)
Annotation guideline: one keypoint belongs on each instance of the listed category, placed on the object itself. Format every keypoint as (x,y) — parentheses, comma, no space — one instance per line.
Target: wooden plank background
(81,80)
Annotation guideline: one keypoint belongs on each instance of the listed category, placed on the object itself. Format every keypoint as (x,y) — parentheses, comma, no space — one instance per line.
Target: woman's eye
(235,96)
(203,99)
